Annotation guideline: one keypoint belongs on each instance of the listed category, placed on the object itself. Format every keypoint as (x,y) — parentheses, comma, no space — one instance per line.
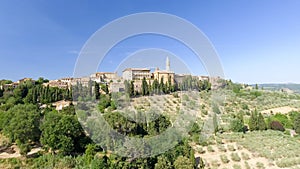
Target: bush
(283,119)
(245,156)
(247,166)
(215,163)
(224,159)
(200,150)
(297,124)
(236,166)
(210,149)
(231,148)
(222,148)
(260,165)
(276,125)
(236,125)
(235,157)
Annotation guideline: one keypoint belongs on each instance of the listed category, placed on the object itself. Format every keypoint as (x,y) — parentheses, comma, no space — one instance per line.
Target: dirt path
(17,154)
(283,110)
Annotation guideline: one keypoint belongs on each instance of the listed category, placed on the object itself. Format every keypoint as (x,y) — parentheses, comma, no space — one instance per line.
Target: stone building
(116,87)
(136,73)
(105,77)
(57,83)
(165,74)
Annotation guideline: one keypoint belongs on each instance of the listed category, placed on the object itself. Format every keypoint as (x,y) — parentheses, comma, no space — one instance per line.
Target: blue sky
(257,41)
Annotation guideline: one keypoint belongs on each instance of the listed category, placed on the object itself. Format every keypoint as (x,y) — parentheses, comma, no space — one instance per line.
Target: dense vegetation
(29,119)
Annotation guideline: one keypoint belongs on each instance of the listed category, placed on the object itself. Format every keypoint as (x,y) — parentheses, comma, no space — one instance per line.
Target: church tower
(167,64)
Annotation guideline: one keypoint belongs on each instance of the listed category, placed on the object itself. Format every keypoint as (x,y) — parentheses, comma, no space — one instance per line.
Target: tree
(253,121)
(163,163)
(1,92)
(21,125)
(261,122)
(236,125)
(104,88)
(97,90)
(155,86)
(127,87)
(132,92)
(99,162)
(63,133)
(204,85)
(183,163)
(162,86)
(215,123)
(20,92)
(276,125)
(257,121)
(104,102)
(41,80)
(297,124)
(145,89)
(170,87)
(283,119)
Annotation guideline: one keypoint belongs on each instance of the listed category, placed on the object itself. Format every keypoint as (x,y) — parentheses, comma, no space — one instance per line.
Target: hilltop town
(116,83)
(38,121)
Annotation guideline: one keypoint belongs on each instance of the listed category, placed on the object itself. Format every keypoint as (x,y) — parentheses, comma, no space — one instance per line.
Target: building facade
(136,73)
(105,77)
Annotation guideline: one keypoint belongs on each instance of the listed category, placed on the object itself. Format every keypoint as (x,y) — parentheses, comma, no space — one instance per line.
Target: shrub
(236,125)
(222,148)
(245,156)
(219,140)
(235,157)
(276,125)
(260,165)
(205,112)
(175,95)
(247,166)
(210,149)
(215,163)
(231,148)
(224,159)
(297,124)
(236,166)
(283,119)
(200,150)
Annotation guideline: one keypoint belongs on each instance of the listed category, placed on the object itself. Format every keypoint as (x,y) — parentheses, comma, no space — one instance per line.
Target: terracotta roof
(141,69)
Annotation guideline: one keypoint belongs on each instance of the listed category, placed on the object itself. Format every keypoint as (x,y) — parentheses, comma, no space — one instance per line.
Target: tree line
(161,87)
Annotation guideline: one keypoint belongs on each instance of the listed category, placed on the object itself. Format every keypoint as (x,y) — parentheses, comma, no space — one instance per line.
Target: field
(213,111)
(257,149)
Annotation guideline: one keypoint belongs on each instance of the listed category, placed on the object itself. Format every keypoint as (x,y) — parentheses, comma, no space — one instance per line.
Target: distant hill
(276,86)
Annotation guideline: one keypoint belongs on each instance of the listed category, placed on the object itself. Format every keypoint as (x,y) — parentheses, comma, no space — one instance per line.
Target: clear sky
(258,41)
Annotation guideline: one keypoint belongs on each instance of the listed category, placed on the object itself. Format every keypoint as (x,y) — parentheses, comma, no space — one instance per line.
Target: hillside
(231,127)
(277,87)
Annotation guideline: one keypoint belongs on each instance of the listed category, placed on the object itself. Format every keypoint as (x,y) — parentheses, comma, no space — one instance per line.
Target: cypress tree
(261,122)
(132,93)
(97,90)
(253,122)
(155,86)
(145,89)
(297,124)
(215,123)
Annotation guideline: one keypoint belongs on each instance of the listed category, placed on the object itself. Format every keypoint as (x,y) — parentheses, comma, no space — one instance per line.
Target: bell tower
(167,64)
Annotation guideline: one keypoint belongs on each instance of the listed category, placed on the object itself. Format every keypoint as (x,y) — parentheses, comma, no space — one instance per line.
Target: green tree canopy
(183,163)
(21,124)
(62,132)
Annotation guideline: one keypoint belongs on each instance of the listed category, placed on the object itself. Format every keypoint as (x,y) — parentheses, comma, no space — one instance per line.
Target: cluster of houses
(16,84)
(115,82)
